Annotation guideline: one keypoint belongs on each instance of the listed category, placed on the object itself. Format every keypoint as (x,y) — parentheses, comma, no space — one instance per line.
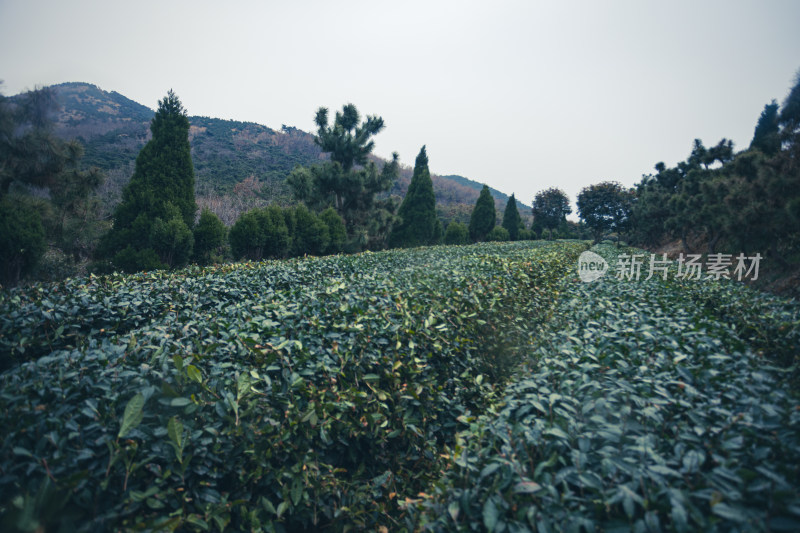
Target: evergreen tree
(457,233)
(349,182)
(766,136)
(419,225)
(336,230)
(162,187)
(209,238)
(484,216)
(498,234)
(22,240)
(512,222)
(32,156)
(311,233)
(260,233)
(246,237)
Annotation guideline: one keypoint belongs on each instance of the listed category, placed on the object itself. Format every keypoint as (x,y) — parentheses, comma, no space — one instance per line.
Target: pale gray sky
(521,95)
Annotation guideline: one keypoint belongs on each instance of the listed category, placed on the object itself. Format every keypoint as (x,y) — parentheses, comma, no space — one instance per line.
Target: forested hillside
(226,153)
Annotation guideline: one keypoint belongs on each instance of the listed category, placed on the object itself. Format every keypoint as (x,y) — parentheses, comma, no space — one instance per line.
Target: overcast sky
(520,95)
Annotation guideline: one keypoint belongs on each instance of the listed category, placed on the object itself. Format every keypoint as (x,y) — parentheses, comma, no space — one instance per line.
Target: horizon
(520,97)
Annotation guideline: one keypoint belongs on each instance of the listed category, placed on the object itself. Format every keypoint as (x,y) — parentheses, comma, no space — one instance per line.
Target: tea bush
(645,406)
(278,396)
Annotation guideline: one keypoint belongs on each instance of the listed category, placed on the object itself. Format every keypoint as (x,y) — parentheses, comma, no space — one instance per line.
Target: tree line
(341,204)
(50,205)
(716,200)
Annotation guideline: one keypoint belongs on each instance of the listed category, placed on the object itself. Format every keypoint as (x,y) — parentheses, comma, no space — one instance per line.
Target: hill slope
(113,128)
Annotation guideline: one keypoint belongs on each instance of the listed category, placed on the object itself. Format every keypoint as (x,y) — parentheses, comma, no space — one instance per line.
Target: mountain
(497,195)
(226,153)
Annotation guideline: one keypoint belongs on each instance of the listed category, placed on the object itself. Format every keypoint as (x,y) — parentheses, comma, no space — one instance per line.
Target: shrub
(336,230)
(130,260)
(304,395)
(310,234)
(526,235)
(173,241)
(22,240)
(209,238)
(498,234)
(260,233)
(456,233)
(246,237)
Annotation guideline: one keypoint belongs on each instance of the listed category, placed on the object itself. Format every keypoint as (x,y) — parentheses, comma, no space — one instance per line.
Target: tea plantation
(644,406)
(446,389)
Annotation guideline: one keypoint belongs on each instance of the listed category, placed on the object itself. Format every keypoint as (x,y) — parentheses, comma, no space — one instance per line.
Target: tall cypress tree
(162,188)
(483,217)
(511,219)
(419,225)
(766,136)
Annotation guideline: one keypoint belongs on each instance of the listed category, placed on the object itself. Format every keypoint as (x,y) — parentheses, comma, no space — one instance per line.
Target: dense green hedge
(646,406)
(277,396)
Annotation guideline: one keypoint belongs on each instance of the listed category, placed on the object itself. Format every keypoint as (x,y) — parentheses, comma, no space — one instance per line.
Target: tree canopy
(350,181)
(418,225)
(550,208)
(512,222)
(605,207)
(484,216)
(54,200)
(158,204)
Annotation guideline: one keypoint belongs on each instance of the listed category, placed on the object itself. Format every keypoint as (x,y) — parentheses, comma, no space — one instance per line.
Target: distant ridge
(113,128)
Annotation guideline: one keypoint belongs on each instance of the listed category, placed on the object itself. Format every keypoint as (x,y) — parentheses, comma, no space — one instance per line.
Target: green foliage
(293,395)
(419,225)
(246,237)
(498,234)
(130,259)
(550,209)
(22,239)
(33,157)
(336,230)
(172,240)
(743,202)
(310,234)
(668,419)
(260,233)
(483,216)
(457,233)
(789,118)
(210,236)
(162,183)
(766,136)
(605,207)
(349,182)
(512,222)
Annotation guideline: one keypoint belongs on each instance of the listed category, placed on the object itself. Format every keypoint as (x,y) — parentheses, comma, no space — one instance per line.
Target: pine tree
(483,217)
(419,225)
(512,222)
(766,136)
(162,188)
(350,182)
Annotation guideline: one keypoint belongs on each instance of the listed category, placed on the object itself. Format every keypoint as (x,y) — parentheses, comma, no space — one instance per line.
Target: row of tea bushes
(646,406)
(279,396)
